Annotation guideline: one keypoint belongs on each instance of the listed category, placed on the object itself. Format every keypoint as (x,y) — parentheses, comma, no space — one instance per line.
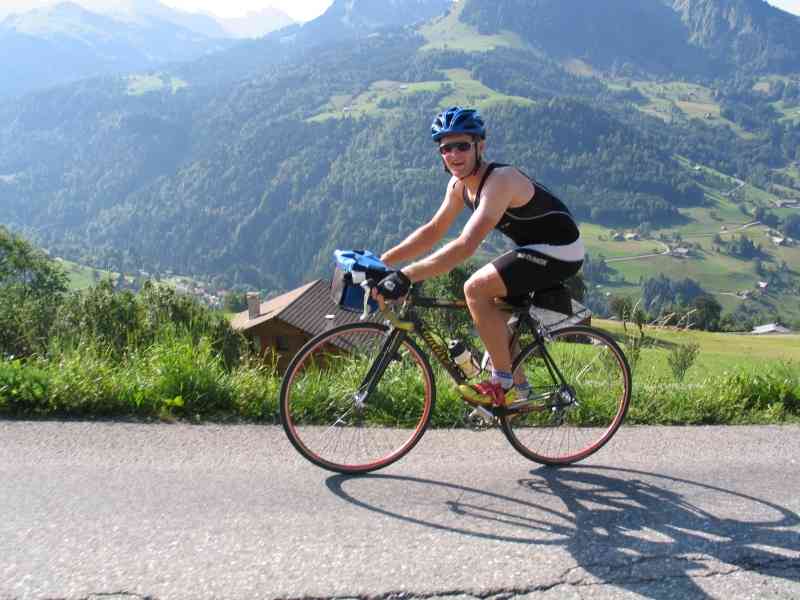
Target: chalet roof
(305,307)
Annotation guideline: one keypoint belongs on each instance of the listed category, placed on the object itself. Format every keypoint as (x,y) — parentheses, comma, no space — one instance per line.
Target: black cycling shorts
(525,271)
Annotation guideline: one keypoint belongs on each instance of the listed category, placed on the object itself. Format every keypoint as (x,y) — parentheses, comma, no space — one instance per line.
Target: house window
(281,343)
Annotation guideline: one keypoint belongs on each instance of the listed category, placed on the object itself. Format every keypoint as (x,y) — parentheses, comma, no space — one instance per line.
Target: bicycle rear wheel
(325,410)
(562,424)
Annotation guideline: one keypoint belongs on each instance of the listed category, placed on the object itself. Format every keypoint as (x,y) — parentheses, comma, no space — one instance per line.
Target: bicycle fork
(376,370)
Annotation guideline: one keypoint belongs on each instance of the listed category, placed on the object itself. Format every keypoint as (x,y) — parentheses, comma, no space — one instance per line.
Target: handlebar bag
(351,267)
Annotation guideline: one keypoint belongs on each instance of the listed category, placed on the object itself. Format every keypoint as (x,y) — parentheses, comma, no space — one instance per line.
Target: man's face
(458,153)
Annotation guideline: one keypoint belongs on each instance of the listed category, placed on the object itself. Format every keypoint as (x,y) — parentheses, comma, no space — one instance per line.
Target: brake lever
(366,285)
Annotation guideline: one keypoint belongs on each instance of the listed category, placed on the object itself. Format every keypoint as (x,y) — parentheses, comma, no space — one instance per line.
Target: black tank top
(543,220)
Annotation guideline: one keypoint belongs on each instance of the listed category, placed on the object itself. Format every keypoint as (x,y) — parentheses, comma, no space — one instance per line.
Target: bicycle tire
(321,413)
(555,430)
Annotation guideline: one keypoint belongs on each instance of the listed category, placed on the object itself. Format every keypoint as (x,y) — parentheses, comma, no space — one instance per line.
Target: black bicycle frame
(533,326)
(396,337)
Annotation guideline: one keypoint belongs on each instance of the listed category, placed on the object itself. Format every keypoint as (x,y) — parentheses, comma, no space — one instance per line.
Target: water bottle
(463,358)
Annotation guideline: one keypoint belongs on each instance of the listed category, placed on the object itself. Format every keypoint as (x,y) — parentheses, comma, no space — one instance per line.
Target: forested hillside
(250,166)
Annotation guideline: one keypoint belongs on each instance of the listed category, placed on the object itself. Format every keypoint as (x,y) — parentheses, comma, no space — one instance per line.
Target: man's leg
(480,291)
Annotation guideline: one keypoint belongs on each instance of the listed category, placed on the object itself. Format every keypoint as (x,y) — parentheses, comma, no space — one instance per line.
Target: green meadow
(139,85)
(450,33)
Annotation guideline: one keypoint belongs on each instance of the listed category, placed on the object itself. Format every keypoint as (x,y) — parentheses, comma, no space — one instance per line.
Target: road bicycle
(358,397)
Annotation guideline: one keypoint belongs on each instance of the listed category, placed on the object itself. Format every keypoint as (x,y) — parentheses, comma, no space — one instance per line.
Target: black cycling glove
(394,286)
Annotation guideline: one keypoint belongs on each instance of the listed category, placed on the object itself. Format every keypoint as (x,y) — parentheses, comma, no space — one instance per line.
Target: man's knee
(471,288)
(479,287)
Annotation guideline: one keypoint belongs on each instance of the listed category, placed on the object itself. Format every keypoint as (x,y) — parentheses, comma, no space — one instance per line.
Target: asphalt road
(118,511)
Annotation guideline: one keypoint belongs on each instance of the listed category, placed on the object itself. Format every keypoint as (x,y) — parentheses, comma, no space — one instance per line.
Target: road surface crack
(598,574)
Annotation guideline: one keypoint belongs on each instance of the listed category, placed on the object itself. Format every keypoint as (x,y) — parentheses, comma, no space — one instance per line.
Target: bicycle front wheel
(565,421)
(348,407)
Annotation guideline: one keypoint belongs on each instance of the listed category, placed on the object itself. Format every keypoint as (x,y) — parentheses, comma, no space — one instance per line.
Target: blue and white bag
(353,267)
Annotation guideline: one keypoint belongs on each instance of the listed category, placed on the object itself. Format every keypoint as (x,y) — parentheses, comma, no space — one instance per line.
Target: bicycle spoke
(335,427)
(576,420)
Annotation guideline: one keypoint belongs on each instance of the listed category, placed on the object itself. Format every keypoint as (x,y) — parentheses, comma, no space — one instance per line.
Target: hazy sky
(792,6)
(299,10)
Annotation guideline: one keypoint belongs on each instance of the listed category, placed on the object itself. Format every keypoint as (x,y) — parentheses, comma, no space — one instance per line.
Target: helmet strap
(478,160)
(478,163)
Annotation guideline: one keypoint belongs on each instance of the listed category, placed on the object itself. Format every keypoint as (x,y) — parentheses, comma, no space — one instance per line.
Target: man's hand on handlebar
(394,286)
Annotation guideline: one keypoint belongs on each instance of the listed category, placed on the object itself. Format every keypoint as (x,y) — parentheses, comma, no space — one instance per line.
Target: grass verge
(179,379)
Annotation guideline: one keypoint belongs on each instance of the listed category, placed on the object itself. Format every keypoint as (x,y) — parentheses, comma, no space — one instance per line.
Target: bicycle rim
(323,410)
(560,426)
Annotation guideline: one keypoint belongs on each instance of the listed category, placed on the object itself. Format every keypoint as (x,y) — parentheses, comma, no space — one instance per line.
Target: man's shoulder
(455,186)
(505,177)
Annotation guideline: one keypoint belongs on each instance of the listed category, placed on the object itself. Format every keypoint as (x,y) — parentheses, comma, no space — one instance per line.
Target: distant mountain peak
(256,23)
(64,17)
(365,16)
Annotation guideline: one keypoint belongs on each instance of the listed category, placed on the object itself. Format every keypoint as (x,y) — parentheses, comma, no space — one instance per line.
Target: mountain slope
(255,171)
(64,43)
(199,23)
(682,37)
(750,33)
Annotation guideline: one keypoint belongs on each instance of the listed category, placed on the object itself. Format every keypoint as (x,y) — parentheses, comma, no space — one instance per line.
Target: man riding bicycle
(549,249)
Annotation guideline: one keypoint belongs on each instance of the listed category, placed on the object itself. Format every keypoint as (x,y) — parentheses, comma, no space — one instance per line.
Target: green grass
(138,85)
(175,377)
(716,272)
(450,33)
(382,96)
(718,351)
(734,379)
(790,113)
(598,241)
(81,277)
(694,101)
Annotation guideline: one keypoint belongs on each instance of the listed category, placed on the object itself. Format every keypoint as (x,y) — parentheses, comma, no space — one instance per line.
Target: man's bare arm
(495,200)
(425,237)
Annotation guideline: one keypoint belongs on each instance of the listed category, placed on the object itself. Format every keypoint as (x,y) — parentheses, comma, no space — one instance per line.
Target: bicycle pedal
(480,418)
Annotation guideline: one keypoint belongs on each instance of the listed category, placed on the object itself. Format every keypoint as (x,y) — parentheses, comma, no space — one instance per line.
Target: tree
(621,308)
(451,286)
(235,301)
(31,288)
(707,313)
(791,225)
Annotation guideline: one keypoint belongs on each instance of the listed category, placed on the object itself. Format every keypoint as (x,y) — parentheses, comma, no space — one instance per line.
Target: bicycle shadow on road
(644,532)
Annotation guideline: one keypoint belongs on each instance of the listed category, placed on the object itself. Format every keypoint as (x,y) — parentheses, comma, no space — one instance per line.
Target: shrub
(184,376)
(255,392)
(123,322)
(681,358)
(86,382)
(24,389)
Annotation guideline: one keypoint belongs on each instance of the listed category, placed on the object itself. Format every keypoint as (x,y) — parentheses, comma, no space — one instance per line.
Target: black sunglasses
(460,146)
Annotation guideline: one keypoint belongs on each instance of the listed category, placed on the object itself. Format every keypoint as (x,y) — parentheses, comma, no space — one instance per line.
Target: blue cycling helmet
(457,120)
